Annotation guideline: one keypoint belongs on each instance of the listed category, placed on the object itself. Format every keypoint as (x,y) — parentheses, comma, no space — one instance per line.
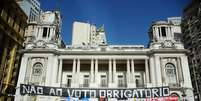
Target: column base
(131,85)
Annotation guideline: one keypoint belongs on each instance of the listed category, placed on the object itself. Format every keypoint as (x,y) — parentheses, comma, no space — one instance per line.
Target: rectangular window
(139,80)
(121,82)
(163,31)
(103,81)
(177,36)
(44,32)
(86,81)
(69,80)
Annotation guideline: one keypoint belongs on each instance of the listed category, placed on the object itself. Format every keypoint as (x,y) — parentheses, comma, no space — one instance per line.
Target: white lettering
(109,93)
(148,93)
(85,93)
(77,93)
(122,93)
(92,93)
(59,92)
(33,90)
(40,90)
(100,93)
(127,93)
(115,93)
(135,94)
(166,91)
(141,94)
(52,91)
(70,94)
(26,89)
(154,93)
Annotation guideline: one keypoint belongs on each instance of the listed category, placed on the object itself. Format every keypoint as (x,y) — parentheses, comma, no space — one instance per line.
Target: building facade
(129,69)
(191,33)
(12,25)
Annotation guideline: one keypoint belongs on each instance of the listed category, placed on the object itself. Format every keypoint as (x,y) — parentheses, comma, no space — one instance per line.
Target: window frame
(36,67)
(171,69)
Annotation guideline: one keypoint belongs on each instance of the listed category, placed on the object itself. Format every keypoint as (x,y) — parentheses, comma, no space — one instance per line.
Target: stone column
(132,71)
(96,71)
(169,33)
(160,33)
(156,32)
(157,62)
(170,29)
(152,71)
(54,74)
(49,71)
(60,71)
(78,73)
(147,71)
(114,71)
(110,72)
(92,71)
(50,31)
(128,71)
(166,31)
(73,72)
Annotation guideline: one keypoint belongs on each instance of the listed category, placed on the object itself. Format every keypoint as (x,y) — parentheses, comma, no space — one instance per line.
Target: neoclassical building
(51,71)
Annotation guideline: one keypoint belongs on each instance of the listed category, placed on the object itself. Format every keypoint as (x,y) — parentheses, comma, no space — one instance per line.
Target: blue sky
(125,21)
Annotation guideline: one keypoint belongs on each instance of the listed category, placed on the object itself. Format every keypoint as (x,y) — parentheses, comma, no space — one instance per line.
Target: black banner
(95,92)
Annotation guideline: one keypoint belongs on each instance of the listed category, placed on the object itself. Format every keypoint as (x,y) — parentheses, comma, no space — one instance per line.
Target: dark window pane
(163,31)
(45,32)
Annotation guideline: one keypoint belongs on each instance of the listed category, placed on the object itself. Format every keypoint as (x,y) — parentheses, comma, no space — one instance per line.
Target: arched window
(37,69)
(170,71)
